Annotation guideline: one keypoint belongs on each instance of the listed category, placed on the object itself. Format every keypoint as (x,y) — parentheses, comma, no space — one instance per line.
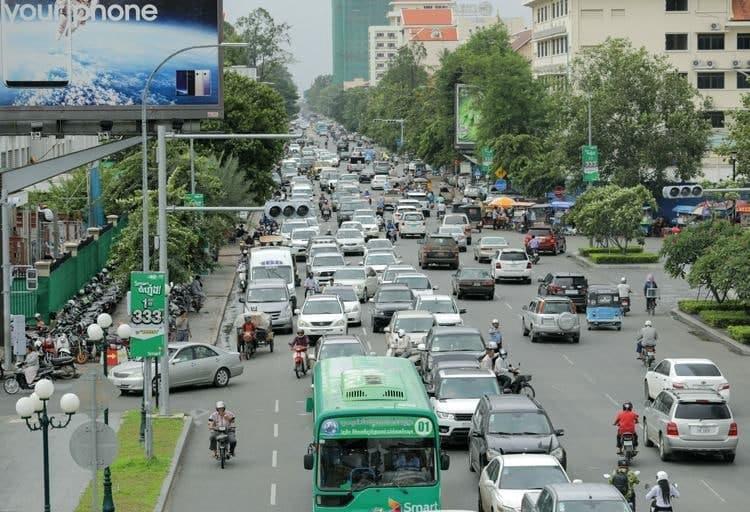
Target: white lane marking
(273,494)
(508,306)
(274,458)
(713,491)
(616,404)
(364,330)
(568,360)
(588,377)
(276,407)
(369,345)
(275,430)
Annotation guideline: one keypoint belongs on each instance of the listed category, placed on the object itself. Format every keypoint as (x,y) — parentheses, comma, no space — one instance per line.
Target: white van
(274,262)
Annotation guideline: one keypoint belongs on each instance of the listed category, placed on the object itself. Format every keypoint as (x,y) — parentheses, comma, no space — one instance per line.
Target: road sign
(501,185)
(590,158)
(88,454)
(194,200)
(501,173)
(95,392)
(147,300)
(477,171)
(488,155)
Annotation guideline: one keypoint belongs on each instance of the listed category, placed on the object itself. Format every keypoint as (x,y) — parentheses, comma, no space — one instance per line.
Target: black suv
(505,424)
(573,285)
(389,299)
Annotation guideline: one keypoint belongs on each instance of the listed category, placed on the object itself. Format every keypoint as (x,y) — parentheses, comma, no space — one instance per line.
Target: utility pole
(589,119)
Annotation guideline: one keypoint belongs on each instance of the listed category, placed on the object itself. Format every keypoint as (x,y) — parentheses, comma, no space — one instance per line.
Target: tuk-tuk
(603,307)
(474,212)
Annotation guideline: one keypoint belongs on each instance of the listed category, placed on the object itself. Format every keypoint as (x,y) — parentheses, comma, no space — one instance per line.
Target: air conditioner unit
(696,63)
(716,27)
(736,63)
(709,63)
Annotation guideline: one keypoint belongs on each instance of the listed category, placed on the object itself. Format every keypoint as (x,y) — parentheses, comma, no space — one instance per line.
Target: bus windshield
(356,464)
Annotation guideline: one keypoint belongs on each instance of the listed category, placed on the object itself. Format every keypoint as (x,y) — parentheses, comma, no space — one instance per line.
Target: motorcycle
(392,235)
(649,356)
(631,501)
(222,445)
(625,305)
(13,383)
(628,446)
(651,305)
(242,275)
(520,385)
(399,345)
(533,255)
(299,356)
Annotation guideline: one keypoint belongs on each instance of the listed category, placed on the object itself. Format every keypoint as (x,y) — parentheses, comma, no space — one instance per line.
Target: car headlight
(339,323)
(303,323)
(288,310)
(558,453)
(444,415)
(491,454)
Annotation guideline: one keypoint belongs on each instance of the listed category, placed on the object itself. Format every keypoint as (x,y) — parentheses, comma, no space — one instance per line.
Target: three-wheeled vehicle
(603,308)
(263,333)
(474,212)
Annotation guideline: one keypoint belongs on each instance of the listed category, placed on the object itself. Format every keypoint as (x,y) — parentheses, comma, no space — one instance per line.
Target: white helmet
(503,353)
(623,280)
(647,323)
(495,321)
(491,345)
(662,475)
(220,405)
(37,343)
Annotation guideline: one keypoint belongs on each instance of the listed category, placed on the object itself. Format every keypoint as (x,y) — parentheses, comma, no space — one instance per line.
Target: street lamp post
(144,139)
(37,404)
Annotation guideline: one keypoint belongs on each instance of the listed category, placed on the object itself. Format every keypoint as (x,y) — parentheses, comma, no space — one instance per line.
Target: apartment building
(383,44)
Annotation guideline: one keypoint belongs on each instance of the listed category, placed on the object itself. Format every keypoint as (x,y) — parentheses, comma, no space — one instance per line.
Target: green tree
(267,40)
(724,267)
(279,77)
(612,214)
(682,250)
(737,142)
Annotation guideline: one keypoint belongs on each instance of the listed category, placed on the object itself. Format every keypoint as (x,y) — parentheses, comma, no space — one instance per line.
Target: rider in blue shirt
(494,333)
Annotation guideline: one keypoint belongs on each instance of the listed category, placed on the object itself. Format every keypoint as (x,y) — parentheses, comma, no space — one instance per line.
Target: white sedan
(350,241)
(507,478)
(487,247)
(511,264)
(370,225)
(685,373)
(442,307)
(378,182)
(348,296)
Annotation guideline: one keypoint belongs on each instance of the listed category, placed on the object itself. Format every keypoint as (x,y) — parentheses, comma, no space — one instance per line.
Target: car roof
(553,298)
(512,249)
(440,235)
(342,339)
(435,298)
(392,286)
(694,395)
(510,402)
(456,330)
(442,364)
(322,296)
(585,491)
(458,373)
(338,287)
(689,360)
(332,253)
(567,274)
(528,459)
(413,313)
(412,274)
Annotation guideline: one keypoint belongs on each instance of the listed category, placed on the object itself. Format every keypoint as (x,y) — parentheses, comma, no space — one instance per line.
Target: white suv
(511,264)
(321,315)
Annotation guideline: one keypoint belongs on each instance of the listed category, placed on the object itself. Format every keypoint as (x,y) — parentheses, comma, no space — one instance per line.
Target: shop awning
(684,209)
(743,209)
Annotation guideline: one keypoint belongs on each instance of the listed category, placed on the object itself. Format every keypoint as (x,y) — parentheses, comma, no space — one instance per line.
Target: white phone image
(36,42)
(202,82)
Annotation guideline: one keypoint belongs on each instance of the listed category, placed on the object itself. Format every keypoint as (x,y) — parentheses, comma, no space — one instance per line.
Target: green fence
(66,277)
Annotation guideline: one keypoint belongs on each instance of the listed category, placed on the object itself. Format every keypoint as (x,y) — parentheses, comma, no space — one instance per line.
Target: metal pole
(108,503)
(192,167)
(144,176)
(734,169)
(45,454)
(163,265)
(5,220)
(402,136)
(147,433)
(589,120)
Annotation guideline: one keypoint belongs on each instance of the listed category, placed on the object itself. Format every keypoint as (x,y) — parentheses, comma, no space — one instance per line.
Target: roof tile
(426,17)
(741,10)
(433,34)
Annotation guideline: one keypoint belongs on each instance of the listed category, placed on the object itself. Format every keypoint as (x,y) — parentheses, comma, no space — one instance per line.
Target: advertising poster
(467,116)
(80,59)
(147,303)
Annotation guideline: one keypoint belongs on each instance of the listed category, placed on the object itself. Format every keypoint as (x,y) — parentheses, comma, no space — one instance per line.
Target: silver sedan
(488,247)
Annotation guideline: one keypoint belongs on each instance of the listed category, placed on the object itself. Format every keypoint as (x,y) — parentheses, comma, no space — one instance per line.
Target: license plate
(476,284)
(703,430)
(571,292)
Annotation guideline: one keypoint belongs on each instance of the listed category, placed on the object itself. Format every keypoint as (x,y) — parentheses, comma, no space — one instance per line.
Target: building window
(710,41)
(379,34)
(391,45)
(675,42)
(716,119)
(380,55)
(565,7)
(677,5)
(711,80)
(742,81)
(379,45)
(380,65)
(743,41)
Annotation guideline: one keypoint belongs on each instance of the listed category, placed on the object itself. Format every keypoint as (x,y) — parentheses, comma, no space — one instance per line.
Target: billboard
(467,116)
(89,59)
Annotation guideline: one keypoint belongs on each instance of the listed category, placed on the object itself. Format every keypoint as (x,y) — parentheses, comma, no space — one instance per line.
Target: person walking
(182,327)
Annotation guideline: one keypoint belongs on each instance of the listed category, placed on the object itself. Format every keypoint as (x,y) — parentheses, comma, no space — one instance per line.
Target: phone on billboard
(193,82)
(36,42)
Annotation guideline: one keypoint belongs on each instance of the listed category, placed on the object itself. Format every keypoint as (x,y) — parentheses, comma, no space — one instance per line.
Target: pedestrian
(182,327)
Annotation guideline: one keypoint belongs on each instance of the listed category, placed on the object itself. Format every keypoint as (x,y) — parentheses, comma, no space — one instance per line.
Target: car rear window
(474,273)
(540,232)
(556,308)
(696,370)
(571,281)
(702,411)
(512,256)
(442,241)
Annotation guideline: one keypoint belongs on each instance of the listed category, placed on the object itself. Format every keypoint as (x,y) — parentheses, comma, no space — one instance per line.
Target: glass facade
(351,18)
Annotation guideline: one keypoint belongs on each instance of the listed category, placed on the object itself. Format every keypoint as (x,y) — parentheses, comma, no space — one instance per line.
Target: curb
(586,263)
(224,310)
(712,333)
(166,486)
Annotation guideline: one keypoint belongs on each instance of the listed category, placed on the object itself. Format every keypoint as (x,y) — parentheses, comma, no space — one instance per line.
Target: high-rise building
(351,19)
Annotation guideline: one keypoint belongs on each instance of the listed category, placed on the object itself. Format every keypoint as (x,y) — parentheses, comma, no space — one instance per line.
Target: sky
(311,29)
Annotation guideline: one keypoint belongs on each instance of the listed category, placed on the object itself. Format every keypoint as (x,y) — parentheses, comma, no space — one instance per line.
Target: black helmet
(627,406)
(622,463)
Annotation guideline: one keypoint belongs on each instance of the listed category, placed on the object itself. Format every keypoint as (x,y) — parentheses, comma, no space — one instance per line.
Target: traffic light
(682,191)
(281,210)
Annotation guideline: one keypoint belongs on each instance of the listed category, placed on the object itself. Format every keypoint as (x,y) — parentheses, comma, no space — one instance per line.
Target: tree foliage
(724,267)
(737,142)
(267,42)
(682,250)
(612,214)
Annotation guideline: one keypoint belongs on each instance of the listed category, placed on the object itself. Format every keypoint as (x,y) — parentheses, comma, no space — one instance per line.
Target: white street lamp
(104,320)
(94,332)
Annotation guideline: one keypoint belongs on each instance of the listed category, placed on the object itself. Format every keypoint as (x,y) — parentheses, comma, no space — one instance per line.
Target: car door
(371,282)
(530,313)
(207,361)
(660,378)
(663,410)
(546,502)
(487,483)
(182,368)
(476,440)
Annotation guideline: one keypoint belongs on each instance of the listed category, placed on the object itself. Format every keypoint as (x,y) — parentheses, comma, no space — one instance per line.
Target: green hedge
(696,306)
(723,319)
(585,251)
(740,333)
(646,257)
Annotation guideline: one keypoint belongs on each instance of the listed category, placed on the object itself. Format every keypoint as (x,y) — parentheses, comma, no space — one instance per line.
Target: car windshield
(345,294)
(513,256)
(348,233)
(436,240)
(414,324)
(438,306)
(457,342)
(349,273)
(414,282)
(467,387)
(329,350)
(319,249)
(540,232)
(321,307)
(363,219)
(303,234)
(696,370)
(333,260)
(531,477)
(593,506)
(702,411)
(570,281)
(351,225)
(380,259)
(276,294)
(519,423)
(474,273)
(556,308)
(360,463)
(380,243)
(394,296)
(284,273)
(454,219)
(449,230)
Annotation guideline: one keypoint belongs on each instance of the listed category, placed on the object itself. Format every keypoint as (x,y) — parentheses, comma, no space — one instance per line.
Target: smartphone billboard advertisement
(89,59)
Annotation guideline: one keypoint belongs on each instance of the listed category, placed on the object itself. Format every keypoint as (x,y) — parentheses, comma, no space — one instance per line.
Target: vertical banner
(96,215)
(147,304)
(590,159)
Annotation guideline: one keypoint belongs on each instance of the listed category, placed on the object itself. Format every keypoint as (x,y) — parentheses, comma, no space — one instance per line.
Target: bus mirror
(445,461)
(309,404)
(308,461)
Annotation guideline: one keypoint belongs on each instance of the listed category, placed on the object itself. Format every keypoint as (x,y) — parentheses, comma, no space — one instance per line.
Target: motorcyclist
(625,481)
(533,246)
(441,209)
(31,362)
(391,230)
(325,211)
(222,418)
(623,289)
(311,285)
(40,325)
(662,493)
(503,370)
(300,341)
(488,360)
(495,335)
(625,421)
(245,333)
(650,284)
(646,338)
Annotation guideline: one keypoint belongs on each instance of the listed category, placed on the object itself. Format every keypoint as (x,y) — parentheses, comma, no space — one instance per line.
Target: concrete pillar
(43,268)
(95,232)
(72,248)
(112,219)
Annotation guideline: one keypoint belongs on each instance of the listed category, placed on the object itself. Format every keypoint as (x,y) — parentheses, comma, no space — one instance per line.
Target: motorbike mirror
(401,333)
(559,432)
(308,461)
(577,481)
(435,287)
(637,472)
(606,475)
(242,300)
(540,280)
(371,299)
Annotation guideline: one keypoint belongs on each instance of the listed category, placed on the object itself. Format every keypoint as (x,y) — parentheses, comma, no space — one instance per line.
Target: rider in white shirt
(624,288)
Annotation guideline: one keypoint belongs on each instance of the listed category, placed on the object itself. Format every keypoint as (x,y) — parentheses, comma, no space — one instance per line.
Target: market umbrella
(502,202)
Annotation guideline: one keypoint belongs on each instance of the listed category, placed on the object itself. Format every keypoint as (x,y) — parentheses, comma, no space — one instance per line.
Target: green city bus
(376,442)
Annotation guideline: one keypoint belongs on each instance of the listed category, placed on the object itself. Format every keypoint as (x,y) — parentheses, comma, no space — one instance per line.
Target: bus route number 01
(423,427)
(146,316)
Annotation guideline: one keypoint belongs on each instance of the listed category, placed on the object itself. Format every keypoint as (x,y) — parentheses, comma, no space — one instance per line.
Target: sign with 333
(147,302)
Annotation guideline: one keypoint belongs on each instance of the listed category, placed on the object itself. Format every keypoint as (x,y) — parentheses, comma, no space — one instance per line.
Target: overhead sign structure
(467,116)
(590,159)
(147,301)
(89,60)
